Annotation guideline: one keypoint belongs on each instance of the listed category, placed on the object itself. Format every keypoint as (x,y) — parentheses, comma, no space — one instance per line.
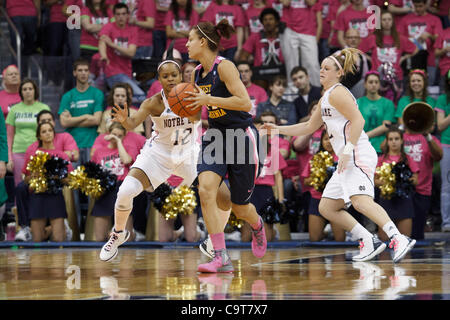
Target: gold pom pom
(91,187)
(319,164)
(181,200)
(233,221)
(387,178)
(38,182)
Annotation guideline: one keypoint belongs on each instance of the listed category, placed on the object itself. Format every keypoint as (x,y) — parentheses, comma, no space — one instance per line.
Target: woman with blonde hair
(353,181)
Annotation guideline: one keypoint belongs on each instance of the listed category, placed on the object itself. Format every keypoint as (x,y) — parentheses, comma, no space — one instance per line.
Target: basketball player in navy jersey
(230,126)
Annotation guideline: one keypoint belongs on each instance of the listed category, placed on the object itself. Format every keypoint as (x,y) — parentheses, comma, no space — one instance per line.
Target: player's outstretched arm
(299,129)
(130,122)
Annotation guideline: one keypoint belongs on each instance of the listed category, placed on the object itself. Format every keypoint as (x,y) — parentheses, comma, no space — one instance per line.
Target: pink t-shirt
(257,95)
(252,19)
(54,152)
(155,88)
(56,12)
(7,100)
(145,8)
(444,7)
(304,156)
(203,4)
(90,40)
(306,173)
(124,38)
(416,147)
(181,24)
(271,166)
(401,4)
(131,140)
(413,26)
(63,141)
(161,15)
(110,159)
(233,13)
(390,53)
(390,158)
(352,19)
(260,48)
(17,8)
(329,9)
(301,18)
(443,41)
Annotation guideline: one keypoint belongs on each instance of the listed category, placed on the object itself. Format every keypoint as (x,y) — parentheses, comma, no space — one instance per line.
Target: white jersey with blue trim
(337,126)
(173,131)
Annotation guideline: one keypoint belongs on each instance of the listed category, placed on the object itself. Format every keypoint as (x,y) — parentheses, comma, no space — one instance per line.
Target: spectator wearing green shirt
(81,110)
(443,123)
(417,90)
(377,111)
(21,126)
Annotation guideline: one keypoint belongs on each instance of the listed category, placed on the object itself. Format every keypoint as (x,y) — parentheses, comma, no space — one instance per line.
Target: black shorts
(398,208)
(236,153)
(261,194)
(313,207)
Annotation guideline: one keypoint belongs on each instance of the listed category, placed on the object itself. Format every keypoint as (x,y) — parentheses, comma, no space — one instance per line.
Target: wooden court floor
(170,274)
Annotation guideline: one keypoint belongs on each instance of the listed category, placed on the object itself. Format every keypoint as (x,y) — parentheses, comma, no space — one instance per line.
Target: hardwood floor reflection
(302,273)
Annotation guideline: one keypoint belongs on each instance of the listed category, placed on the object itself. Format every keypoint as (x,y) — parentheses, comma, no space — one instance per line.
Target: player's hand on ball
(199,99)
(343,161)
(119,114)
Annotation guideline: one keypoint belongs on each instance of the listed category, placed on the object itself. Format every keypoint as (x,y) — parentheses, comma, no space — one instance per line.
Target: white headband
(167,61)
(198,27)
(337,62)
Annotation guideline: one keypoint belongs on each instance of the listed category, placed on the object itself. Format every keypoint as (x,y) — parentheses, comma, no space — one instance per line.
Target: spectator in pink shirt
(26,16)
(329,9)
(257,94)
(424,150)
(179,21)
(9,96)
(142,15)
(354,17)
(226,9)
(303,28)
(265,46)
(117,46)
(422,28)
(441,8)
(386,46)
(400,8)
(252,14)
(94,15)
(442,51)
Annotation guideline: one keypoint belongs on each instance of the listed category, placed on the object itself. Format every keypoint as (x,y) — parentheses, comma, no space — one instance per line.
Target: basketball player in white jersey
(172,149)
(353,181)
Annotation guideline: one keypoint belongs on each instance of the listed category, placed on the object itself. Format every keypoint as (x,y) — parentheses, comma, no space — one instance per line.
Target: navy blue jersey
(217,117)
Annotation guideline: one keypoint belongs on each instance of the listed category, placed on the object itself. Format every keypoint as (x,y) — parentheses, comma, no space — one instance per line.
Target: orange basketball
(176,99)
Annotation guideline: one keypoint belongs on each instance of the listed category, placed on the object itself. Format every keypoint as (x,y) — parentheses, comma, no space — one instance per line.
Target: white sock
(361,233)
(390,229)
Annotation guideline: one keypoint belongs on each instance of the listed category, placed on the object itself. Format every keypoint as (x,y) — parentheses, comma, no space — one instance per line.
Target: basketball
(176,102)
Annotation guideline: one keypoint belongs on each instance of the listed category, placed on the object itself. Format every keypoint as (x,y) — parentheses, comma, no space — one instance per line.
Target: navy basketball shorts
(235,152)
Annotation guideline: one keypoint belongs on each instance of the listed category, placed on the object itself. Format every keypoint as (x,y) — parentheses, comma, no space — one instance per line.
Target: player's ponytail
(213,33)
(347,60)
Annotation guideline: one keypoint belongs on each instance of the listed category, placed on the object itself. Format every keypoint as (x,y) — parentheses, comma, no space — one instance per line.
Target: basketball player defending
(222,91)
(172,149)
(353,181)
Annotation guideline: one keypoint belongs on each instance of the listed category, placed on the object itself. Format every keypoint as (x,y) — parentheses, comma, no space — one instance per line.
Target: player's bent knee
(130,188)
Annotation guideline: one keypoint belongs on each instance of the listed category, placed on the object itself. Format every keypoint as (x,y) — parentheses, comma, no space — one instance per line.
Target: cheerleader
(316,222)
(352,182)
(400,210)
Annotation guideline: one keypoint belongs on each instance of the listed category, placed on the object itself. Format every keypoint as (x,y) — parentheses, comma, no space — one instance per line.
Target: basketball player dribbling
(228,103)
(172,149)
(353,181)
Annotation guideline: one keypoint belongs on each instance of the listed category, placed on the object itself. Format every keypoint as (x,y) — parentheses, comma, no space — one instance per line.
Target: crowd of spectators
(278,47)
